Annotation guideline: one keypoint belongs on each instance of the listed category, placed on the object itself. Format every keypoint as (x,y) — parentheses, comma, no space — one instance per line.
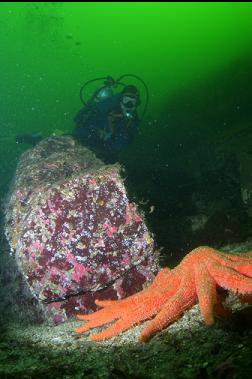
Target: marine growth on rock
(75,234)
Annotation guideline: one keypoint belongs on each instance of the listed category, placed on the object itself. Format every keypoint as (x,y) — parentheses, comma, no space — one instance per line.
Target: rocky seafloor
(187,349)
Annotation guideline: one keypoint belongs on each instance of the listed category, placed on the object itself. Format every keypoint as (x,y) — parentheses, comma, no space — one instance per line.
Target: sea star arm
(174,307)
(132,310)
(230,279)
(209,300)
(207,294)
(131,301)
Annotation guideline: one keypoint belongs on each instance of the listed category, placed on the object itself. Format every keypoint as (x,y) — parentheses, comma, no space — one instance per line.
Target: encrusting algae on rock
(75,235)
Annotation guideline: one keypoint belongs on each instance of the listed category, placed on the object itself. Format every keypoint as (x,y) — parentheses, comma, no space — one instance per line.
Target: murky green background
(194,57)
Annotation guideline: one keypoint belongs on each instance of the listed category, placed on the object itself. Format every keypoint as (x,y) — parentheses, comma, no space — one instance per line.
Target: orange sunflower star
(197,277)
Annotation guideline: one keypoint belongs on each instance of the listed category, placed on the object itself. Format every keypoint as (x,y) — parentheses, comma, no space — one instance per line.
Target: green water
(48,50)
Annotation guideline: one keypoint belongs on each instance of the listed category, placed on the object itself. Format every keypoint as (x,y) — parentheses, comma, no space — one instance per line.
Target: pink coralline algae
(75,235)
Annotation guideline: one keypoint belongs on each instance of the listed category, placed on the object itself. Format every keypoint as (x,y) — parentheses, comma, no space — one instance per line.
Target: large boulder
(74,233)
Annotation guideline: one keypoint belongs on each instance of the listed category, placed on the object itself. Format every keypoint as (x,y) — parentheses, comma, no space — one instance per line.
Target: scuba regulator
(107,90)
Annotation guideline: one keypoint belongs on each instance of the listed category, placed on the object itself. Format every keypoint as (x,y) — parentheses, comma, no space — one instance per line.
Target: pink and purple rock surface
(75,235)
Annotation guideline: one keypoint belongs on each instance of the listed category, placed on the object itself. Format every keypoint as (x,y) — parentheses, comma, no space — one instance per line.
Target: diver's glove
(31,139)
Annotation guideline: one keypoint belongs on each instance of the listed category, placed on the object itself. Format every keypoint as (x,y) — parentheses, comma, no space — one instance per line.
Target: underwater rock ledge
(74,234)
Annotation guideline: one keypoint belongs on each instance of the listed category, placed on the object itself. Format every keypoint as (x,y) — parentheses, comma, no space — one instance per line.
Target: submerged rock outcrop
(74,233)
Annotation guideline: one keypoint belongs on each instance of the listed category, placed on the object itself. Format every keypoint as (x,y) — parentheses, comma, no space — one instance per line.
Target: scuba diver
(108,121)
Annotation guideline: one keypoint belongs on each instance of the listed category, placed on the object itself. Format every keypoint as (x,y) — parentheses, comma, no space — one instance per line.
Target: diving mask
(128,105)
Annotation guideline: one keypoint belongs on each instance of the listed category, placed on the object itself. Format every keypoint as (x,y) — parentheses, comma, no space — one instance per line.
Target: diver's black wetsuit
(103,127)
